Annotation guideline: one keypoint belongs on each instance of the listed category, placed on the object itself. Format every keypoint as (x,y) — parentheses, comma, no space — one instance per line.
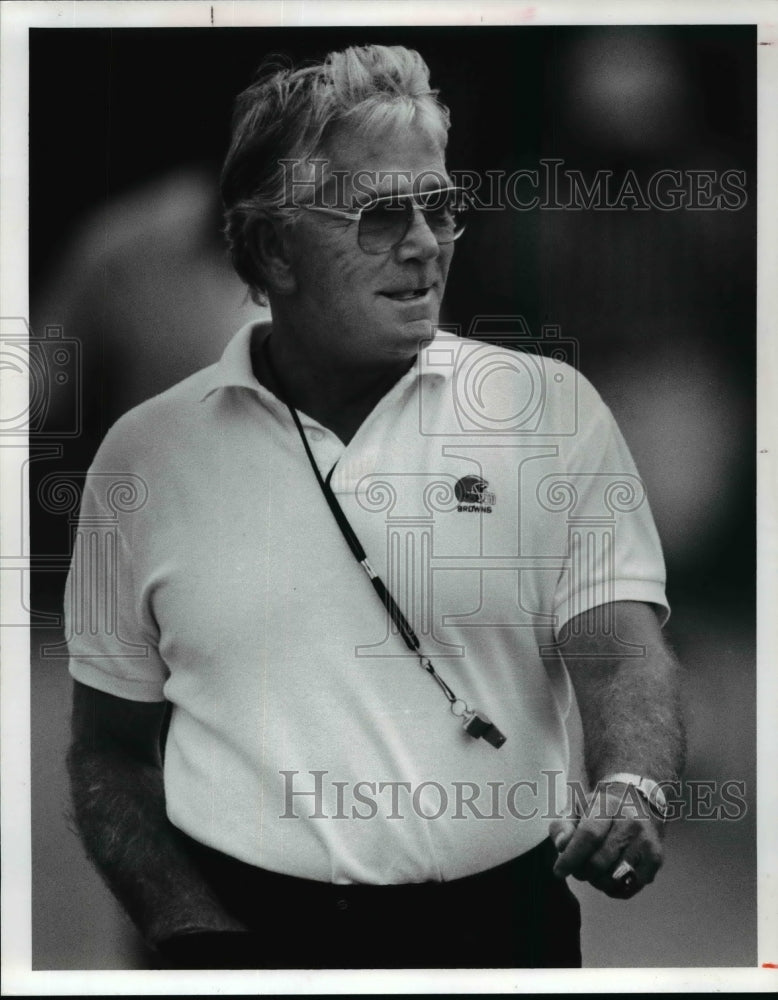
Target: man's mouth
(408,294)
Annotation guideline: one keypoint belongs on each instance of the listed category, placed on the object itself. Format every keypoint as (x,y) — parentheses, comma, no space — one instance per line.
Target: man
(325,802)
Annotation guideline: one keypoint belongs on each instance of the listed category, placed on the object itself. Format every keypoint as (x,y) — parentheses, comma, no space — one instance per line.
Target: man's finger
(561,832)
(604,860)
(613,847)
(649,861)
(622,882)
(586,841)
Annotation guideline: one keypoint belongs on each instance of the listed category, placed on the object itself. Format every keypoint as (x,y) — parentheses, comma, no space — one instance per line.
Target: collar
(234,366)
(234,369)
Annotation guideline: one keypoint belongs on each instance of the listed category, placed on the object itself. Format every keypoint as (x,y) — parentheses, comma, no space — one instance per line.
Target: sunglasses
(384,221)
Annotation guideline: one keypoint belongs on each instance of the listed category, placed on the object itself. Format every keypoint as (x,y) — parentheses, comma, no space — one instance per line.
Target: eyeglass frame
(356,215)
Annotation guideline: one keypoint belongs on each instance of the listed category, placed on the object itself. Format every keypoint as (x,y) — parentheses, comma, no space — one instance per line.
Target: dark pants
(517,915)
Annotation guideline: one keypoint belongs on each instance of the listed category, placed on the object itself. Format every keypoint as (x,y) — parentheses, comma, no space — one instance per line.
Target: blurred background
(130,291)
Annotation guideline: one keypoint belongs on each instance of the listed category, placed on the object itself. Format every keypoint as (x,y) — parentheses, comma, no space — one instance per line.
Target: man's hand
(617,828)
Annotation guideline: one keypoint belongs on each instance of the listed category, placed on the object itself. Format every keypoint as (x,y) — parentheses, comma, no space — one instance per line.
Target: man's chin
(417,330)
(406,341)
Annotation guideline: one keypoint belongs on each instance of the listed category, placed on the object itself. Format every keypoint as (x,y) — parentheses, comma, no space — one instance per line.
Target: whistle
(477,725)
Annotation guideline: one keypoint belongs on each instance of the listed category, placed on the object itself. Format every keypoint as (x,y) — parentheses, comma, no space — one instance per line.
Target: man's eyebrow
(428,187)
(435,184)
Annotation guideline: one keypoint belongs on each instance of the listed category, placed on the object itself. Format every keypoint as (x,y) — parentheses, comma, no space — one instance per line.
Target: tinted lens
(445,213)
(384,223)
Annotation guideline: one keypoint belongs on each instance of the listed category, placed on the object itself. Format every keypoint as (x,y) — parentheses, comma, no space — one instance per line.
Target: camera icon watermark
(42,378)
(502,378)
(40,409)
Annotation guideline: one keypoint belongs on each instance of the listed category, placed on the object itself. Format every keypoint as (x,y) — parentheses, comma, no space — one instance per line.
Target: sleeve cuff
(646,591)
(133,689)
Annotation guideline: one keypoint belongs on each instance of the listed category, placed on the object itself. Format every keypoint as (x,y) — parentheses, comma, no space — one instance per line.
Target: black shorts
(518,915)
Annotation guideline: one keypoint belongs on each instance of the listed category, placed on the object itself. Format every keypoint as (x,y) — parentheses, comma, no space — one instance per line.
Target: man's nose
(419,241)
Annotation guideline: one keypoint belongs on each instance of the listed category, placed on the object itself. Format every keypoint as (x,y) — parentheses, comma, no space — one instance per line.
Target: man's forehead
(393,159)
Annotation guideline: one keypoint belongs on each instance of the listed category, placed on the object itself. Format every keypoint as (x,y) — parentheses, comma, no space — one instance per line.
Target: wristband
(649,790)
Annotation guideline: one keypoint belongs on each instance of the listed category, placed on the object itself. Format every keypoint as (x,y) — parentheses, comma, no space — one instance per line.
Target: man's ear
(269,249)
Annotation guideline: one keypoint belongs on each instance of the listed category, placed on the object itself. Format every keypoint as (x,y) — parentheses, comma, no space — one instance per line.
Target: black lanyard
(475,723)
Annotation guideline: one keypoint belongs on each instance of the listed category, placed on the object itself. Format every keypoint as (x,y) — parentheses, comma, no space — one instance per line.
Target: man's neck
(339,397)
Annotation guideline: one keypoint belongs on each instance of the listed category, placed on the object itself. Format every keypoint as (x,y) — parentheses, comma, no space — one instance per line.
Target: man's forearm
(119,807)
(631,721)
(630,707)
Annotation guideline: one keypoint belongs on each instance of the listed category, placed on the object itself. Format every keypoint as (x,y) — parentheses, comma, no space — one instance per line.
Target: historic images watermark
(315,795)
(550,186)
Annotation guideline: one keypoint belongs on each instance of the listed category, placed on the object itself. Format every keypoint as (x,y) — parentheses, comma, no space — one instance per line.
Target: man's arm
(630,712)
(119,805)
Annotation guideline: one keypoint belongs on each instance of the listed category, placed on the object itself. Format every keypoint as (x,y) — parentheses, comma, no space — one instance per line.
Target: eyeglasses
(384,221)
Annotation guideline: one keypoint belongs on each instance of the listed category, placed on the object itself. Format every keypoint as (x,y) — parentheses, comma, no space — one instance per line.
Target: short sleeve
(112,639)
(613,548)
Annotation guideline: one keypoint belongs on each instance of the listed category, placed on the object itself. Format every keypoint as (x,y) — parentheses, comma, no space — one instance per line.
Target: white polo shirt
(493,493)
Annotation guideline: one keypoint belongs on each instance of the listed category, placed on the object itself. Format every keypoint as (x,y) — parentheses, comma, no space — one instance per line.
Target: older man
(361,596)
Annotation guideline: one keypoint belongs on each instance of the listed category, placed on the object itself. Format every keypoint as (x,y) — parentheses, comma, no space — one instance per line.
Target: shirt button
(316,434)
(342,904)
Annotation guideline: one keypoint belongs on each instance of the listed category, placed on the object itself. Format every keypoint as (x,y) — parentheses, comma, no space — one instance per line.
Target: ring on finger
(625,875)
